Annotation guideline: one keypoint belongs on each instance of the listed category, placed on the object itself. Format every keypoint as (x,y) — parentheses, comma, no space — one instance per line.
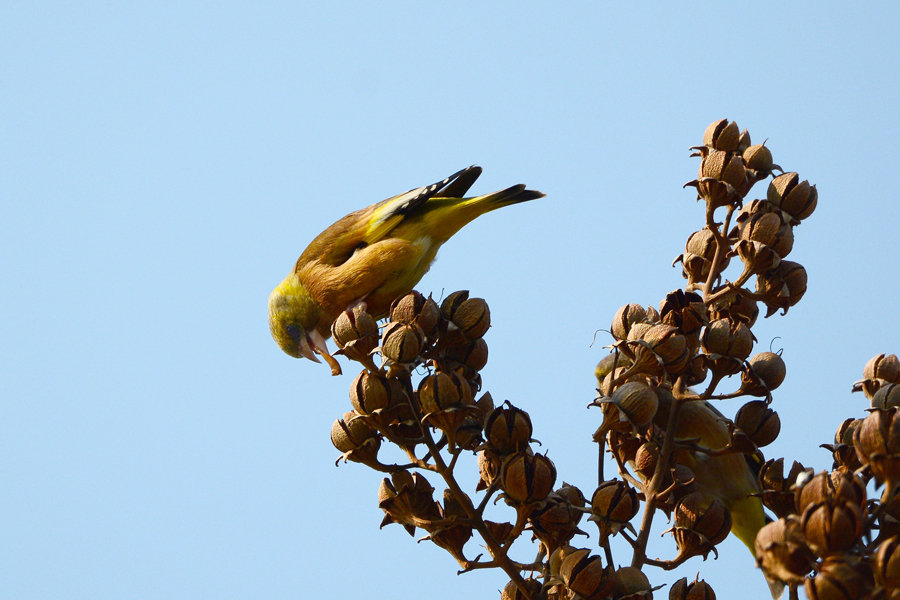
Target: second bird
(372,256)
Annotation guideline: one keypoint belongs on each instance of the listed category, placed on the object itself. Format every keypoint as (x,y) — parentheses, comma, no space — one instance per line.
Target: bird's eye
(294,331)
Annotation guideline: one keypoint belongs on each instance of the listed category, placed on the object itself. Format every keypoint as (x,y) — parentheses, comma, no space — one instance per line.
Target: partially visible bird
(373,256)
(731,477)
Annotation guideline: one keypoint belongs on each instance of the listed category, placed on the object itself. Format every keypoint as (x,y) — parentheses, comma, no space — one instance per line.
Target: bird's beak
(306,349)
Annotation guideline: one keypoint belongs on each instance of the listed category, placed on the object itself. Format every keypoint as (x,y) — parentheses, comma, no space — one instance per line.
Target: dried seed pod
(637,402)
(831,526)
(701,521)
(887,396)
(627,316)
(416,309)
(796,198)
(775,488)
(759,159)
(700,250)
(722,135)
(842,450)
(407,499)
(584,574)
(401,342)
(354,437)
(729,343)
(877,443)
(883,366)
(555,522)
(783,286)
(765,372)
(470,315)
(782,552)
(473,355)
(724,166)
(645,459)
(356,333)
(630,583)
(770,229)
(512,592)
(370,392)
(887,563)
(490,463)
(840,578)
(527,478)
(695,590)
(508,429)
(737,307)
(442,391)
(613,504)
(836,485)
(759,422)
(685,311)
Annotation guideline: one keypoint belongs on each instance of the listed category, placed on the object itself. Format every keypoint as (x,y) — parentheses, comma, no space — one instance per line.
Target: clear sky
(163,164)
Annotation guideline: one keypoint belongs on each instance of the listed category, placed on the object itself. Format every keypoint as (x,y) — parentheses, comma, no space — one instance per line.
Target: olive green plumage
(374,255)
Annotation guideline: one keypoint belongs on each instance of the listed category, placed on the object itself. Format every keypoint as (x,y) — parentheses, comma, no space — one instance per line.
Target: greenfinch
(731,477)
(372,256)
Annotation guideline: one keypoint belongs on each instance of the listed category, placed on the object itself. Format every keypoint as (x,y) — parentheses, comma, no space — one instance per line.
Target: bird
(372,256)
(729,476)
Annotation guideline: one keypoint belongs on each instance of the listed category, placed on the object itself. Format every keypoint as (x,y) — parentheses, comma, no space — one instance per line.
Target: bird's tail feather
(511,195)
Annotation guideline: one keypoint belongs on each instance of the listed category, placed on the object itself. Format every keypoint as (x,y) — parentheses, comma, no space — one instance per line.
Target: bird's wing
(389,213)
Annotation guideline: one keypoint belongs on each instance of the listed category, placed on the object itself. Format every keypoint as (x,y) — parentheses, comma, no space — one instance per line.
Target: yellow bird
(730,477)
(372,256)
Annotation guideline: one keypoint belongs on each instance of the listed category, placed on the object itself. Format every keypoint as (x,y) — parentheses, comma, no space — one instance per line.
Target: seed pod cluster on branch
(663,422)
(830,536)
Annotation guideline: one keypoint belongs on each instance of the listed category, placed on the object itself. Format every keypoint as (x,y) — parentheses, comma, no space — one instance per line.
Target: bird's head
(293,319)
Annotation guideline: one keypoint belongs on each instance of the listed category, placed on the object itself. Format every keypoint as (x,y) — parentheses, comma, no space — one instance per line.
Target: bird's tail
(511,195)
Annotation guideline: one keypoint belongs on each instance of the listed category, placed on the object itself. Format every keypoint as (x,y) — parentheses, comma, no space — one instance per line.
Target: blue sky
(163,165)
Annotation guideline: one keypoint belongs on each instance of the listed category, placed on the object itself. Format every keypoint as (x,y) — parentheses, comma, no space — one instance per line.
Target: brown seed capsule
(407,498)
(370,392)
(613,504)
(765,373)
(637,402)
(695,590)
(470,315)
(555,522)
(770,229)
(782,552)
(887,396)
(442,391)
(701,521)
(737,308)
(355,438)
(527,478)
(722,135)
(877,443)
(645,459)
(837,485)
(887,563)
(414,308)
(759,422)
(831,526)
(584,574)
(508,429)
(783,286)
(776,492)
(401,342)
(490,464)
(626,317)
(727,338)
(685,311)
(883,366)
(355,332)
(840,578)
(473,355)
(796,198)
(758,158)
(630,583)
(699,252)
(725,167)
(512,592)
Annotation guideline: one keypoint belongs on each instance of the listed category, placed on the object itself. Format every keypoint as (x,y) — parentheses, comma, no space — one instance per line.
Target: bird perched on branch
(372,256)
